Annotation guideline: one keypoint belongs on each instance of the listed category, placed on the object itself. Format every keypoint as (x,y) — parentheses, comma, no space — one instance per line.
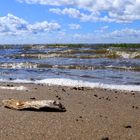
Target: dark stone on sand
(128,126)
(77,120)
(95,95)
(63,90)
(135,107)
(33,98)
(100,98)
(78,88)
(35,88)
(116,91)
(105,138)
(9,85)
(80,116)
(108,99)
(81,88)
(59,98)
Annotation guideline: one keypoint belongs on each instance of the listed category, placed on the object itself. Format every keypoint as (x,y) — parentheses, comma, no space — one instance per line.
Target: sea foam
(14,88)
(79,83)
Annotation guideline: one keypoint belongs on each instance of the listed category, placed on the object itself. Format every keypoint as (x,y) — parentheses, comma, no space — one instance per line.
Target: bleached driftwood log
(34,105)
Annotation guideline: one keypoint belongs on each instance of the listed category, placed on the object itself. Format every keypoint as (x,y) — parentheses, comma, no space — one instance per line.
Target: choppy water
(86,65)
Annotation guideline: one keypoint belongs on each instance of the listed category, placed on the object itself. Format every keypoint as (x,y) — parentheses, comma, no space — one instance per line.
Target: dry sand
(92,114)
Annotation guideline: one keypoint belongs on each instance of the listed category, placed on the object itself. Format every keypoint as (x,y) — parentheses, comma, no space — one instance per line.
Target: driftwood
(38,105)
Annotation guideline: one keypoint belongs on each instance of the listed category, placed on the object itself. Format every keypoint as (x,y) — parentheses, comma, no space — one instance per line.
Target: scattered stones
(79,119)
(59,98)
(78,88)
(135,107)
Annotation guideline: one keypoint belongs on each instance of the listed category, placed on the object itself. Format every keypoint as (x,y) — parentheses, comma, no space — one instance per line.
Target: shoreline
(75,83)
(91,114)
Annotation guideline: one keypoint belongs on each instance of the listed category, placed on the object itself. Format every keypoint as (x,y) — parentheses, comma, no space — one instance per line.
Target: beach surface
(92,114)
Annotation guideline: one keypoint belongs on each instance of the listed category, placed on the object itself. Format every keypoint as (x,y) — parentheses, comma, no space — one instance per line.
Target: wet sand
(92,114)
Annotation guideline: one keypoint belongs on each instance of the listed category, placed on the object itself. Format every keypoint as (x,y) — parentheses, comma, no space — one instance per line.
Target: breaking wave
(29,65)
(78,83)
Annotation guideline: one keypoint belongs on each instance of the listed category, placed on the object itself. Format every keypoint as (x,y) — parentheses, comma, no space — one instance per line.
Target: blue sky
(69,21)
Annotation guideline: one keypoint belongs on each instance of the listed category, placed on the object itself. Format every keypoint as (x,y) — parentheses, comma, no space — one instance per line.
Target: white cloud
(12,25)
(74,26)
(67,11)
(116,10)
(102,29)
(124,35)
(128,33)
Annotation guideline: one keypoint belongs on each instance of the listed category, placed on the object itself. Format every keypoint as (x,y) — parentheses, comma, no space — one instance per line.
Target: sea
(83,65)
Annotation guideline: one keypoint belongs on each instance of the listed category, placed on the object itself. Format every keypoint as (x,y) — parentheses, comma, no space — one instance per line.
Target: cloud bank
(12,25)
(121,11)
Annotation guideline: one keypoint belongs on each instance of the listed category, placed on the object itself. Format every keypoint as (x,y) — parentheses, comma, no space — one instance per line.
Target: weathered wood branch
(34,105)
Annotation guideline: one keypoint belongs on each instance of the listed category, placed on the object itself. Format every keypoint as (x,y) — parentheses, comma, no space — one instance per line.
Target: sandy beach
(92,114)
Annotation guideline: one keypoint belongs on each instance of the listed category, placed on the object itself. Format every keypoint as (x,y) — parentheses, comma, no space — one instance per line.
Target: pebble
(128,126)
(105,138)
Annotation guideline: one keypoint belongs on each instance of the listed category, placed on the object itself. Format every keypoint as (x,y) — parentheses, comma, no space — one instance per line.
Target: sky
(69,21)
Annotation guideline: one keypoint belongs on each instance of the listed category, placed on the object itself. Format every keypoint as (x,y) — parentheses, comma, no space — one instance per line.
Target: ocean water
(95,66)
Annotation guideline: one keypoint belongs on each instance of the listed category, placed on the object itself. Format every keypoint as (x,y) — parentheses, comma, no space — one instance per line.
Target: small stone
(33,98)
(63,90)
(95,95)
(133,107)
(105,138)
(128,126)
(75,88)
